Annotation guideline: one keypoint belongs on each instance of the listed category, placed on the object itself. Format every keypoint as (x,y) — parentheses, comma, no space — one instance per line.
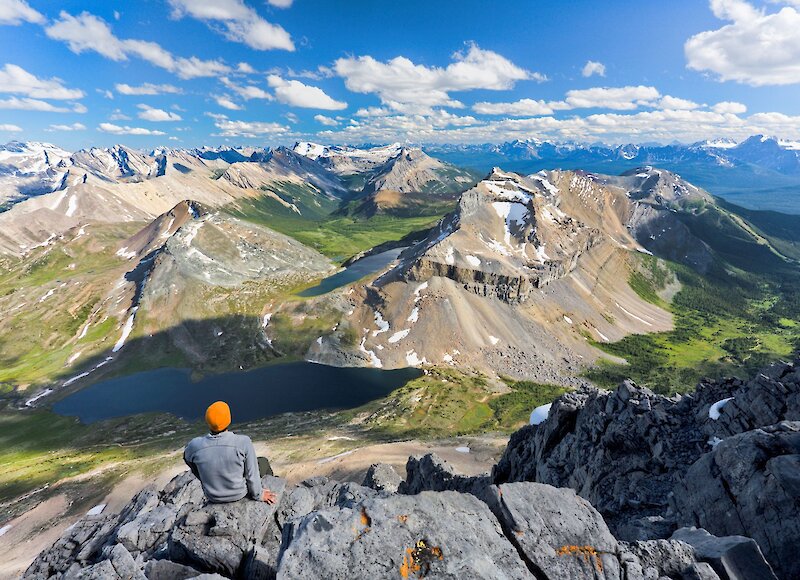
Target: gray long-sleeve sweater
(226,466)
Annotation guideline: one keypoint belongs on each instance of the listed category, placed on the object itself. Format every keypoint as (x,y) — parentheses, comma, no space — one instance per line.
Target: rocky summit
(612,485)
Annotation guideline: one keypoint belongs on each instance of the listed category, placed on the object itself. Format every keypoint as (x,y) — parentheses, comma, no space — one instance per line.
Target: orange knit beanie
(218,416)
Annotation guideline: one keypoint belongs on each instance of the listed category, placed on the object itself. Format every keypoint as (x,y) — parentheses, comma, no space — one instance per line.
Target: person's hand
(269,497)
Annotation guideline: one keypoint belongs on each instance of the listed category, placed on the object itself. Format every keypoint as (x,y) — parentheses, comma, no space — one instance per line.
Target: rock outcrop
(749,486)
(725,458)
(327,529)
(626,485)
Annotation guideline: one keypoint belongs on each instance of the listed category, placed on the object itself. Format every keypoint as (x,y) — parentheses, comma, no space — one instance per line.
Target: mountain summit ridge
(511,523)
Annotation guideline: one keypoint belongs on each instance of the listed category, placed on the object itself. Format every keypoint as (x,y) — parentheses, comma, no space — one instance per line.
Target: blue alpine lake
(355,271)
(255,394)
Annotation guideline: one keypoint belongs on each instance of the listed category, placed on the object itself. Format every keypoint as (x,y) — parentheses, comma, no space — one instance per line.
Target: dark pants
(264,468)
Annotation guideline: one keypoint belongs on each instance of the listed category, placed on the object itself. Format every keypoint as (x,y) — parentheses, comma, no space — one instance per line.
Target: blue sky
(253,72)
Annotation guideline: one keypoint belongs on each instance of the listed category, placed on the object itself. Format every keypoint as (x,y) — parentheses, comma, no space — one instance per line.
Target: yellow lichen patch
(402,518)
(418,560)
(588,553)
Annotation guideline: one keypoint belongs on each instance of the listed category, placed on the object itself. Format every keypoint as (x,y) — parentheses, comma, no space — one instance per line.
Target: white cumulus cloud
(521,108)
(147,89)
(13,12)
(297,94)
(246,92)
(404,85)
(660,125)
(15,79)
(28,104)
(8,128)
(226,102)
(593,68)
(249,129)
(617,98)
(87,32)
(240,23)
(756,47)
(327,121)
(676,103)
(73,127)
(149,113)
(118,130)
(729,107)
(118,115)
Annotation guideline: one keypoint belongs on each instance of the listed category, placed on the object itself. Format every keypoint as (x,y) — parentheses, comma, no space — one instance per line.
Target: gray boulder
(382,477)
(700,571)
(220,537)
(662,559)
(440,535)
(750,486)
(77,546)
(770,397)
(432,473)
(625,451)
(319,493)
(167,570)
(118,565)
(732,557)
(621,450)
(559,534)
(176,534)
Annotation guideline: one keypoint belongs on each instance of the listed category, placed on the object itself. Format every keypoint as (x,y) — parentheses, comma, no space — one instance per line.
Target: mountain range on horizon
(759,172)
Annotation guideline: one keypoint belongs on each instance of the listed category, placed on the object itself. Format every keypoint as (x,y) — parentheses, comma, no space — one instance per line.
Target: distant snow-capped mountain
(29,169)
(782,156)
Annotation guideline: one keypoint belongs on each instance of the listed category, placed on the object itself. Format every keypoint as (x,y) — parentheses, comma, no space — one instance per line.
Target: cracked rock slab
(559,534)
(445,535)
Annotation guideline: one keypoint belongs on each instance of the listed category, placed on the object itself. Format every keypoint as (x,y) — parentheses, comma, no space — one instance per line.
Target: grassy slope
(336,236)
(446,402)
(730,321)
(40,448)
(36,338)
(782,230)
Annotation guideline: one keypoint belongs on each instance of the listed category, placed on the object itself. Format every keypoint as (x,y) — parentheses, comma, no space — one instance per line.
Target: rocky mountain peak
(411,170)
(507,228)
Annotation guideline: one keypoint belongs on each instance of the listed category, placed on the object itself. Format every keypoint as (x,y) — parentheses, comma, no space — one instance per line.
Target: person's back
(224,462)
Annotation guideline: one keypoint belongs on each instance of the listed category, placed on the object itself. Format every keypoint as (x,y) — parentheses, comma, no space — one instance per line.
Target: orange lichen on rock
(408,565)
(588,553)
(365,519)
(418,559)
(402,519)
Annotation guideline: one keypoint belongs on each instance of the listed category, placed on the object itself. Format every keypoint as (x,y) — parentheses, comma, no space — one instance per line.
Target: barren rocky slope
(122,185)
(438,524)
(519,276)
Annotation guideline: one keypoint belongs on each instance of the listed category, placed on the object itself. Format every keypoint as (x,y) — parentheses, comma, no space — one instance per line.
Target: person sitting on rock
(226,463)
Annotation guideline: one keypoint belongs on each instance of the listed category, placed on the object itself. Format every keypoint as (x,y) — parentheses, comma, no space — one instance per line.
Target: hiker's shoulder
(195,443)
(241,439)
